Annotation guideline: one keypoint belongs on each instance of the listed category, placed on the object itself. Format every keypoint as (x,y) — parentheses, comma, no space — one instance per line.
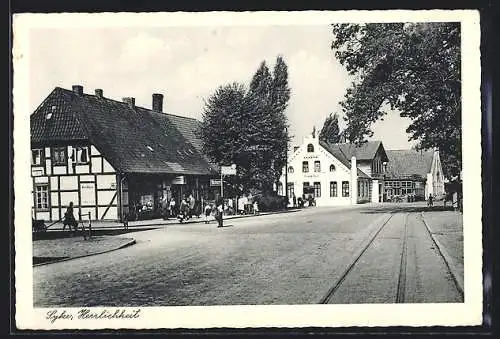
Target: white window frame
(318,168)
(55,151)
(42,197)
(78,152)
(41,157)
(305,169)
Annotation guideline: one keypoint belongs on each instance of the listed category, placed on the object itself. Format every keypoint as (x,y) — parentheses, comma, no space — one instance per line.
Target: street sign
(228,170)
(215,182)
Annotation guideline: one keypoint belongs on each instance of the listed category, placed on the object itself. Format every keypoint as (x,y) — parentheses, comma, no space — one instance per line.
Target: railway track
(402,278)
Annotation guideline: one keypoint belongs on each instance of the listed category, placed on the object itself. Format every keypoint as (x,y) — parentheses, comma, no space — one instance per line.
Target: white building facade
(335,177)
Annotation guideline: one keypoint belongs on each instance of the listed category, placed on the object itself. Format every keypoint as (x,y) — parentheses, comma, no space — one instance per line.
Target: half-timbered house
(107,156)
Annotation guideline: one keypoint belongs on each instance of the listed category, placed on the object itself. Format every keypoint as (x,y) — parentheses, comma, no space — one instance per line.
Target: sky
(187,64)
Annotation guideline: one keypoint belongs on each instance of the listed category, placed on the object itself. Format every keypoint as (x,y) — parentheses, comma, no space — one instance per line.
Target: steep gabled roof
(134,140)
(405,163)
(336,151)
(364,151)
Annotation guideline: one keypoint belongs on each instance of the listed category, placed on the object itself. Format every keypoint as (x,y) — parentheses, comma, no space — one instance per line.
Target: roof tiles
(134,140)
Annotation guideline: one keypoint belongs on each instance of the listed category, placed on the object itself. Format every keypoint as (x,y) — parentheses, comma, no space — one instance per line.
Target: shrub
(269,203)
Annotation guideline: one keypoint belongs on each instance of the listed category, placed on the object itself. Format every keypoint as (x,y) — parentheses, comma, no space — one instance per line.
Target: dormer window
(310,148)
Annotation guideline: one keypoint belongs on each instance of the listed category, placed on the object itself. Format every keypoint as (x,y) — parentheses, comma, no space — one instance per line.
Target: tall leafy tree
(280,96)
(330,131)
(412,68)
(249,128)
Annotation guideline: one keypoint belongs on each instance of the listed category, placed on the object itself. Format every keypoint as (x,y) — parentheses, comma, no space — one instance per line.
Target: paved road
(292,258)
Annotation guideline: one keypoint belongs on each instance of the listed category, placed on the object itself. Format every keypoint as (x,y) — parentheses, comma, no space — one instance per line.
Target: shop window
(345,188)
(42,197)
(80,155)
(333,188)
(317,166)
(317,189)
(38,157)
(332,168)
(290,169)
(59,156)
(310,148)
(305,166)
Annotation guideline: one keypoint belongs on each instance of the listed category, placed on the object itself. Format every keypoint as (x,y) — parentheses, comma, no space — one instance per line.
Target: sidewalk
(447,228)
(116,225)
(53,250)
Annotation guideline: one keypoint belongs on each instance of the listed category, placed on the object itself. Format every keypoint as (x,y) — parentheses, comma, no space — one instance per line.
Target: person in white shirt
(208,212)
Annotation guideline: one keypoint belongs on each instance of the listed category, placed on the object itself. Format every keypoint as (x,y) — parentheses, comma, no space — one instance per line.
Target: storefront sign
(87,192)
(214,182)
(180,180)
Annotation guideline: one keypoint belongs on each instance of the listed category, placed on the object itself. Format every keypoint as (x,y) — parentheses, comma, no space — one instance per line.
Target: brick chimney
(157,102)
(98,93)
(78,89)
(130,101)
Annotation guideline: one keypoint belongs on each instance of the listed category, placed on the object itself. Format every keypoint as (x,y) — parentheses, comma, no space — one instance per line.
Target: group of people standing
(189,207)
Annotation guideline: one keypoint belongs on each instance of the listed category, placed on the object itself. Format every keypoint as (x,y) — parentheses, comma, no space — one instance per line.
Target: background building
(411,172)
(106,156)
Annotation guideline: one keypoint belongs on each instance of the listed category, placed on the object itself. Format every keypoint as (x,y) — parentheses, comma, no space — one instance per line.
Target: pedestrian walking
(208,212)
(219,213)
(172,207)
(69,218)
(255,207)
(191,203)
(241,205)
(430,202)
(294,200)
(455,201)
(164,208)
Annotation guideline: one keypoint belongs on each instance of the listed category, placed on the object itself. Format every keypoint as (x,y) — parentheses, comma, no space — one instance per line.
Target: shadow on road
(66,234)
(408,209)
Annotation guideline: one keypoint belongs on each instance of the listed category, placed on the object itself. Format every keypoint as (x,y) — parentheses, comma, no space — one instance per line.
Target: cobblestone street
(290,258)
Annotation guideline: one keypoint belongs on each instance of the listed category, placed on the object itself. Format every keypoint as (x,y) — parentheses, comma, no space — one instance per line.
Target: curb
(127,244)
(447,258)
(158,225)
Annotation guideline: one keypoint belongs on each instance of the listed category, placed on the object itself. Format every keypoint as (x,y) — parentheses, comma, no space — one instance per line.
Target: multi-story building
(106,156)
(340,174)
